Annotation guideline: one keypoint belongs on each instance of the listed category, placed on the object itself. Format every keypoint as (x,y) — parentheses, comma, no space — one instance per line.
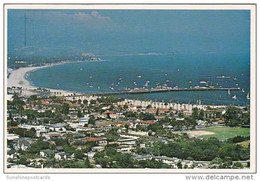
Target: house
(47,153)
(61,156)
(126,149)
(82,128)
(51,135)
(201,164)
(114,116)
(168,160)
(106,128)
(189,163)
(98,148)
(12,136)
(143,157)
(83,121)
(59,127)
(127,141)
(96,140)
(22,143)
(91,155)
(144,123)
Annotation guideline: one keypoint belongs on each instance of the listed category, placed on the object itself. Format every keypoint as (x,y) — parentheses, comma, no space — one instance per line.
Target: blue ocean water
(130,71)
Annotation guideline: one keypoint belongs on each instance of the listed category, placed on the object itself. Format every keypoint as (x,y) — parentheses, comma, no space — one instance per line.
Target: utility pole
(25,28)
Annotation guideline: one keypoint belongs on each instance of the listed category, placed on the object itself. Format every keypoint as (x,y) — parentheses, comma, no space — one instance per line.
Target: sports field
(223,132)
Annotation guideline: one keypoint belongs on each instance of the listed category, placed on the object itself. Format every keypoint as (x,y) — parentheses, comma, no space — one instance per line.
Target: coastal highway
(156,90)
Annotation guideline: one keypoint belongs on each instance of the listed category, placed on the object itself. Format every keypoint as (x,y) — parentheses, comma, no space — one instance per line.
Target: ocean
(130,71)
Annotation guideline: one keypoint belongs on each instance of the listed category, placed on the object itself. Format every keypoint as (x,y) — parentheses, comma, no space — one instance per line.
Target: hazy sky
(129,31)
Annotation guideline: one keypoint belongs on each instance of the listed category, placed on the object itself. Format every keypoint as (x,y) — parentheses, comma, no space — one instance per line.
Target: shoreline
(17,79)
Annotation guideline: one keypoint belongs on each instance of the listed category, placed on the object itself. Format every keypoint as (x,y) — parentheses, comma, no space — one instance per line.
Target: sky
(120,32)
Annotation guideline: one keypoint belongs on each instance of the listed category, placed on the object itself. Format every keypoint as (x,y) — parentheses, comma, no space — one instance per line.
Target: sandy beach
(17,79)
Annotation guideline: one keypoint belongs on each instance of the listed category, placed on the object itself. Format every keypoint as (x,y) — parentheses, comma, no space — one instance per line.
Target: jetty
(167,89)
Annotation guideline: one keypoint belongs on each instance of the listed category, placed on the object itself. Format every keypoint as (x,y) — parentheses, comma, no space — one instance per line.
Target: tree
(79,101)
(91,120)
(37,146)
(79,114)
(233,116)
(79,154)
(179,165)
(65,108)
(195,113)
(201,115)
(125,107)
(157,112)
(127,127)
(237,165)
(180,114)
(150,133)
(92,101)
(85,101)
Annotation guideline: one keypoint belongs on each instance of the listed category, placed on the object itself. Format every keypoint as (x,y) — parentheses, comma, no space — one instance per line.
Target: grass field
(223,132)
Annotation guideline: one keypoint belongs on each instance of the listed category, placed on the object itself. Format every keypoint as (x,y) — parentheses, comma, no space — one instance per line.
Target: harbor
(166,89)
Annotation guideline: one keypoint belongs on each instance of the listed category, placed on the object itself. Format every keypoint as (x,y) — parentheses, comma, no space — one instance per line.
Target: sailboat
(243,90)
(234,97)
(228,92)
(247,96)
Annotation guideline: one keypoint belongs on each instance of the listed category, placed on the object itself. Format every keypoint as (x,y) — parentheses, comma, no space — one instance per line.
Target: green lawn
(223,132)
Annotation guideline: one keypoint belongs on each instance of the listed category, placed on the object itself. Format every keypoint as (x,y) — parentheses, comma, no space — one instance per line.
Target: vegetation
(224,133)
(200,150)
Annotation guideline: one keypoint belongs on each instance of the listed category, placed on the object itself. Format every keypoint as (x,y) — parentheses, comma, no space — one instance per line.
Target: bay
(130,71)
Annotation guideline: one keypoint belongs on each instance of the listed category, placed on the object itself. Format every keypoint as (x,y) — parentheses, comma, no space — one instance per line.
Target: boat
(247,96)
(80,69)
(111,88)
(223,77)
(234,97)
(90,76)
(243,90)
(203,82)
(228,92)
(139,76)
(98,87)
(190,81)
(165,74)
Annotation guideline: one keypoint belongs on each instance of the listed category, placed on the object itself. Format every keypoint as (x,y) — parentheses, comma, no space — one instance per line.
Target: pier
(156,90)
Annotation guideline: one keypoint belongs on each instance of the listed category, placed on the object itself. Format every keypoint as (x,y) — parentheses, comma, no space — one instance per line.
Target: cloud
(82,17)
(93,16)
